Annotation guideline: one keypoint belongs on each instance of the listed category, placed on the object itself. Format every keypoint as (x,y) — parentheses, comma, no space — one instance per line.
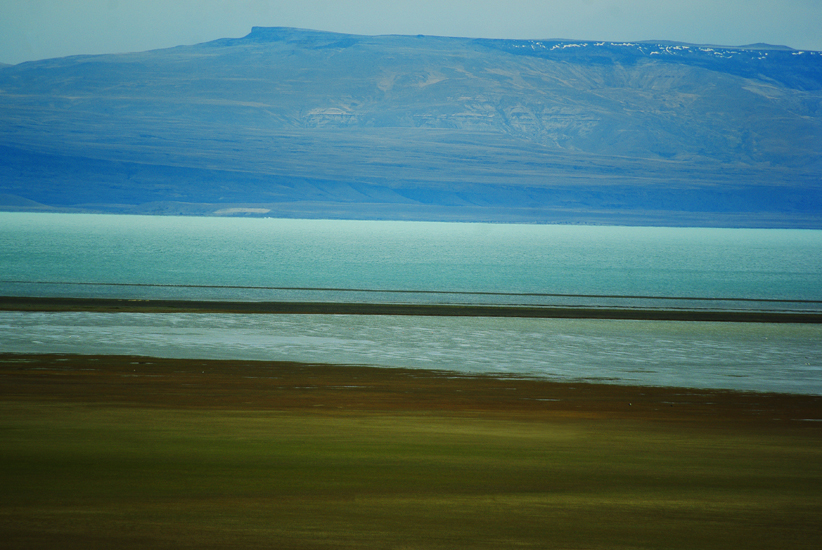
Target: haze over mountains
(298,123)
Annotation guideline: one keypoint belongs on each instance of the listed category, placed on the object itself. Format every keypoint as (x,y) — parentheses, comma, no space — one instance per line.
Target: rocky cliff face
(308,123)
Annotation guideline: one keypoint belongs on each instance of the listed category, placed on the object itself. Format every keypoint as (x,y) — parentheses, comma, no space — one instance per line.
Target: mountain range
(298,123)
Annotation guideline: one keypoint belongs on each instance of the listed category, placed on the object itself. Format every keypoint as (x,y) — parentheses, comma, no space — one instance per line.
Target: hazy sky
(38,29)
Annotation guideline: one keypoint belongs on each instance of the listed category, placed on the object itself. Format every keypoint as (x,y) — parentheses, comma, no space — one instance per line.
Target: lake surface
(58,251)
(274,259)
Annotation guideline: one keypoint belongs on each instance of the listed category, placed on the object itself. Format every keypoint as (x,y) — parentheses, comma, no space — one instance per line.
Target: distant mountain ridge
(291,122)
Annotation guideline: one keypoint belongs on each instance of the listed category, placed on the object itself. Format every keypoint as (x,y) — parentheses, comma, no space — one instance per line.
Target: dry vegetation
(138,452)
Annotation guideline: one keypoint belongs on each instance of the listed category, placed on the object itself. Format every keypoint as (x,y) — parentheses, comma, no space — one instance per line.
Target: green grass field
(79,472)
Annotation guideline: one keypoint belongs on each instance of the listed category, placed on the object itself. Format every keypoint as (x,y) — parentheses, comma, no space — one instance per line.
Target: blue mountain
(298,123)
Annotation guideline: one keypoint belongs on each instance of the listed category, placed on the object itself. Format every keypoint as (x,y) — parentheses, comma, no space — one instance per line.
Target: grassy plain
(128,452)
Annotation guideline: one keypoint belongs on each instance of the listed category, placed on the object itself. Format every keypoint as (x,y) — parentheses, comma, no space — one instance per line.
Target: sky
(40,29)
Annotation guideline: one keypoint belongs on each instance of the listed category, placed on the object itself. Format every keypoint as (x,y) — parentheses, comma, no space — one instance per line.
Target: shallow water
(743,356)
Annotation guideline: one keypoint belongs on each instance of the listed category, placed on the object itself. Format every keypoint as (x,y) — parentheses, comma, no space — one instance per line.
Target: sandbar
(112,305)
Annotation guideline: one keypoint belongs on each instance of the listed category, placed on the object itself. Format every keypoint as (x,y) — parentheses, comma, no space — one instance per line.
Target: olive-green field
(123,452)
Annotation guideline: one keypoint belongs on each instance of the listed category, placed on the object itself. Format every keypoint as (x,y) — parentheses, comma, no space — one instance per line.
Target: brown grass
(139,452)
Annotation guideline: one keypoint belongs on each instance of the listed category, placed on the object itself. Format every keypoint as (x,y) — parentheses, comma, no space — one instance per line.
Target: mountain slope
(306,123)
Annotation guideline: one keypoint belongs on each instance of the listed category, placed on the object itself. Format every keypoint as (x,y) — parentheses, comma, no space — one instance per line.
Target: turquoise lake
(298,254)
(276,259)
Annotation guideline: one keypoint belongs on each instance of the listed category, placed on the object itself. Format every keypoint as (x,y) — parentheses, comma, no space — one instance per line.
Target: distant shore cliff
(302,123)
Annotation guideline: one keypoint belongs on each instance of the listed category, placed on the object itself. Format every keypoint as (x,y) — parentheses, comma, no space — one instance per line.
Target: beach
(128,451)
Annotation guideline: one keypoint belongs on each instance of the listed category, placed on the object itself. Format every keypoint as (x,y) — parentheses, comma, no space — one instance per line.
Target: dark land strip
(422,291)
(111,305)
